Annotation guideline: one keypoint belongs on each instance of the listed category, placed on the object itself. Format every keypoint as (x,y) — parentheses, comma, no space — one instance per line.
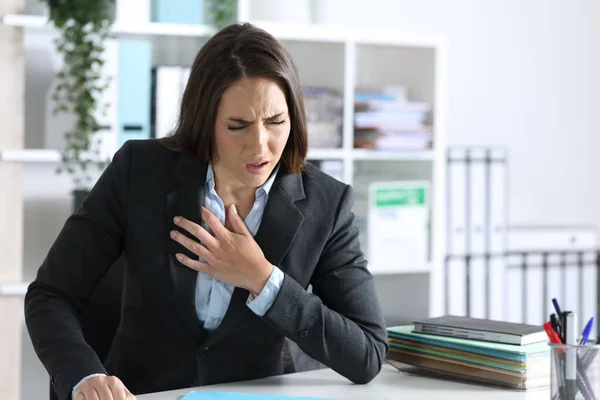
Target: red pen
(552,335)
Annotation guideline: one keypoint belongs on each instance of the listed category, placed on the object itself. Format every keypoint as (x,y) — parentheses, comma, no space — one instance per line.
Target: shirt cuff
(261,303)
(81,382)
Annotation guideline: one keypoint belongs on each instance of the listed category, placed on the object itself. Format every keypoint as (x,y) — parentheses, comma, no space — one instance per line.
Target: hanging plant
(83,27)
(222,12)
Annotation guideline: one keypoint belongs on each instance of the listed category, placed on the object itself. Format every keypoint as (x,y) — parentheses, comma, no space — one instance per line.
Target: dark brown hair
(235,52)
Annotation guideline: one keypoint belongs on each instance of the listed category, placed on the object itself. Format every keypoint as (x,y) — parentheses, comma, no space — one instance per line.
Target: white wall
(524,74)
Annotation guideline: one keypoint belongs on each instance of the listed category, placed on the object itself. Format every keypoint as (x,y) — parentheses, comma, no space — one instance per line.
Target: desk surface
(389,384)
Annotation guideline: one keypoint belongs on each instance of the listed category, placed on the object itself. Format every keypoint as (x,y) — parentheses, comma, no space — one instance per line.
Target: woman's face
(251,130)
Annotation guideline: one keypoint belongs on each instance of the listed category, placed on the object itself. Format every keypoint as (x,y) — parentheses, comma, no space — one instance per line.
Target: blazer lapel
(185,200)
(279,226)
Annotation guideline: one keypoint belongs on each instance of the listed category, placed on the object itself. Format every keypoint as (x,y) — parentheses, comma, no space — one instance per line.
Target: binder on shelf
(134,90)
(515,309)
(456,299)
(476,239)
(398,226)
(476,231)
(497,287)
(169,87)
(497,202)
(457,198)
(498,215)
(178,11)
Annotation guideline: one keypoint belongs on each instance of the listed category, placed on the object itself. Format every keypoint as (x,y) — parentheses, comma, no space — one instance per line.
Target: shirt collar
(265,188)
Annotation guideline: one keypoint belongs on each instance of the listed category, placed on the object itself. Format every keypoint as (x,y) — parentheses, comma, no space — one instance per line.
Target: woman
(223,226)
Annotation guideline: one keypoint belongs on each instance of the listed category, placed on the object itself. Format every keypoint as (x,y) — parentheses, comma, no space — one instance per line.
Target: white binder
(496,225)
(170,83)
(497,287)
(477,230)
(514,298)
(457,199)
(497,200)
(456,287)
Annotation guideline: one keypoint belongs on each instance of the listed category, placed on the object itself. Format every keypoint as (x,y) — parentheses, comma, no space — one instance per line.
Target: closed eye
(278,122)
(235,128)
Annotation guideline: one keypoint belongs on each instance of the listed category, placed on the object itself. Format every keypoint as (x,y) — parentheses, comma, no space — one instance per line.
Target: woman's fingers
(196,230)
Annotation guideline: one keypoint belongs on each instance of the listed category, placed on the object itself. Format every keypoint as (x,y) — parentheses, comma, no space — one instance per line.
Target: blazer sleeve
(340,324)
(88,244)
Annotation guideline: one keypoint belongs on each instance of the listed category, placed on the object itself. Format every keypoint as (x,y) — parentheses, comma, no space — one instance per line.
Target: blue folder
(134,90)
(178,11)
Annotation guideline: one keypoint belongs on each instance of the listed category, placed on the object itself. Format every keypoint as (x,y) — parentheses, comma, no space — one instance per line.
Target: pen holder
(575,372)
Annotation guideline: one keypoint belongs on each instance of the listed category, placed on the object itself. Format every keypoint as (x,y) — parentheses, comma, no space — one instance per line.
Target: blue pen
(557,307)
(586,332)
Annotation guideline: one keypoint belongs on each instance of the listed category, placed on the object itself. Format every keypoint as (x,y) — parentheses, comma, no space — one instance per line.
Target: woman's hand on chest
(232,256)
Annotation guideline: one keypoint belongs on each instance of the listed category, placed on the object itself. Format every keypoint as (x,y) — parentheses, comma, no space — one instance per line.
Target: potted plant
(83,27)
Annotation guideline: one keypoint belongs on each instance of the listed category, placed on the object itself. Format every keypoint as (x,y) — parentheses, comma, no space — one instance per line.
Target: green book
(523,353)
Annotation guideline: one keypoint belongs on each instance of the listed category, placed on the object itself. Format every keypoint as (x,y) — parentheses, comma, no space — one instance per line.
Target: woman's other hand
(103,388)
(232,256)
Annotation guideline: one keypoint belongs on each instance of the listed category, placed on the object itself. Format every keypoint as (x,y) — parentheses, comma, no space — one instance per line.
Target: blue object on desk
(240,396)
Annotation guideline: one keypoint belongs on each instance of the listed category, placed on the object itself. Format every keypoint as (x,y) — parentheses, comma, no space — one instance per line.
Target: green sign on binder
(400,196)
(398,226)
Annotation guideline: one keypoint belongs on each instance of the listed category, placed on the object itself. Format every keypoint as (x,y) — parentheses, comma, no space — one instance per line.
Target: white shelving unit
(349,58)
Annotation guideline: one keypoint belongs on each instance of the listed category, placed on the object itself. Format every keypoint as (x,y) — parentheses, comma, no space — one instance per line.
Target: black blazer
(307,230)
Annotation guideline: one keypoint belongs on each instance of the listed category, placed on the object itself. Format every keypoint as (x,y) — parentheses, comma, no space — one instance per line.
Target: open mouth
(258,165)
(257,168)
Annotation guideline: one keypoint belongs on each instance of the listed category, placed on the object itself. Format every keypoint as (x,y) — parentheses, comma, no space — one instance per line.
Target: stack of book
(503,354)
(386,120)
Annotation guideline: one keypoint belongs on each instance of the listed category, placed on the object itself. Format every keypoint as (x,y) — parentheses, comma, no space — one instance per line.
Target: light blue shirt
(213,296)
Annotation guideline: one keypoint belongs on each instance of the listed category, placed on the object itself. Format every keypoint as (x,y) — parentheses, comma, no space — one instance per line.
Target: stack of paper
(387,120)
(524,367)
(324,116)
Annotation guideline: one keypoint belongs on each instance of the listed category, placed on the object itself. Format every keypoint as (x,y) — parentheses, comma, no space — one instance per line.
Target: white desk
(390,384)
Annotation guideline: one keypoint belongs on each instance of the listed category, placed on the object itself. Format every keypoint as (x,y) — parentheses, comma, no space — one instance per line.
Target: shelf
(283,31)
(415,269)
(162,29)
(365,154)
(325,154)
(25,21)
(304,32)
(13,289)
(53,156)
(30,156)
(151,28)
(37,156)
